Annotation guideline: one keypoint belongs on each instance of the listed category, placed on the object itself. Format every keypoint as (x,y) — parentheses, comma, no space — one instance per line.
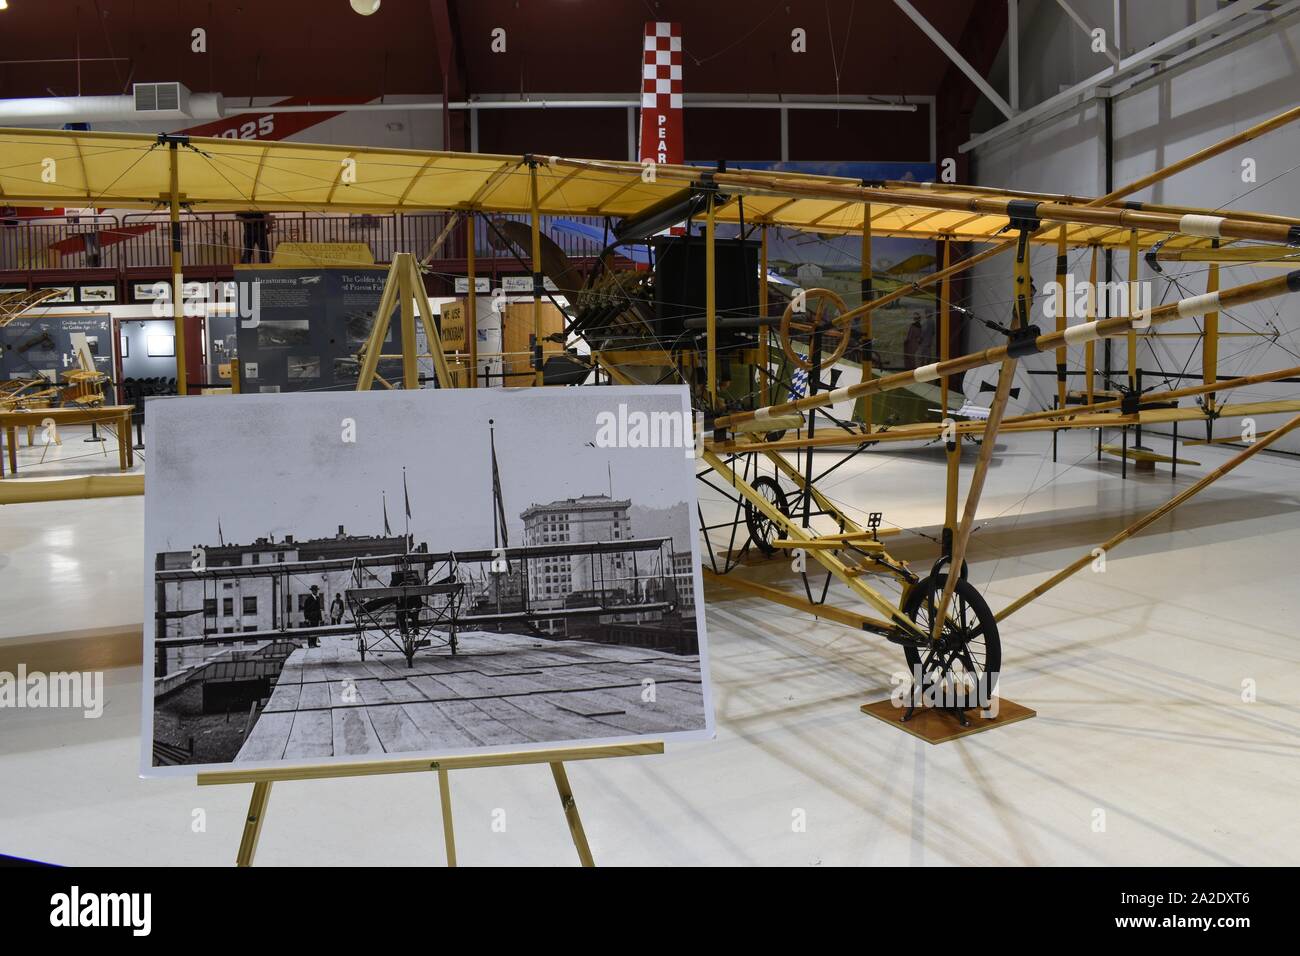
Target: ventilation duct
(148,103)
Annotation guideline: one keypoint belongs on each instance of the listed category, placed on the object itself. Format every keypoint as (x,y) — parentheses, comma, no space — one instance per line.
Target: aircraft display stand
(262,778)
(938,725)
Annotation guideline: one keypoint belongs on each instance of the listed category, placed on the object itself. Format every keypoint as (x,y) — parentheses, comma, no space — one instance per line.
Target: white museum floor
(1136,675)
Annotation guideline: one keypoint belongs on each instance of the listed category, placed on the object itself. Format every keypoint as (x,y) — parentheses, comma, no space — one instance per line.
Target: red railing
(140,240)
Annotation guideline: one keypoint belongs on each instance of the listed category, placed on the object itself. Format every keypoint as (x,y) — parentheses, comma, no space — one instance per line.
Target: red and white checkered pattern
(661,93)
(661,67)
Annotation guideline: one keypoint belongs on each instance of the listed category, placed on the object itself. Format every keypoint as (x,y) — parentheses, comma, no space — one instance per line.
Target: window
(227,607)
(209,607)
(257,559)
(249,627)
(250,605)
(302,601)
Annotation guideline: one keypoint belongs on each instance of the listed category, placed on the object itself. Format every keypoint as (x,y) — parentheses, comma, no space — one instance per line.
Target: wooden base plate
(939,726)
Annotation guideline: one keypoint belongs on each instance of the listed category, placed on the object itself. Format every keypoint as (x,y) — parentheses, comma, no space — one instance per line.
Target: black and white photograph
(347,576)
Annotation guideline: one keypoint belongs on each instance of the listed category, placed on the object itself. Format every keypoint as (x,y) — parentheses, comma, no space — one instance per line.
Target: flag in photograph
(499,517)
(387,530)
(405,494)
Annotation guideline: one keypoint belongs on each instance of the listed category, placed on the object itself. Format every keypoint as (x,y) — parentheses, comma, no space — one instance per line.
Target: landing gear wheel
(762,530)
(968,652)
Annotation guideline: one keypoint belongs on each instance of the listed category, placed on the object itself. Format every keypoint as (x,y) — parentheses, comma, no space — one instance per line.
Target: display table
(116,416)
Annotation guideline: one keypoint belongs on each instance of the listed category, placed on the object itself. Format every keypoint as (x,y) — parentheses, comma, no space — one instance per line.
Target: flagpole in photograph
(406,498)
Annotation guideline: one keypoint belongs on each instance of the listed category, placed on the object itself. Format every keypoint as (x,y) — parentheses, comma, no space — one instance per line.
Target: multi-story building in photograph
(260,601)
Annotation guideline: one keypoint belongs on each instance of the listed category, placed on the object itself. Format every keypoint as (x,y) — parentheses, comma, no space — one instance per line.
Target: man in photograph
(311,613)
(336,609)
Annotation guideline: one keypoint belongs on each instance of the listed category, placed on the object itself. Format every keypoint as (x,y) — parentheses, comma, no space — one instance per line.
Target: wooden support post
(764,334)
(952,448)
(471,301)
(448,831)
(178,279)
(234,376)
(1062,267)
(868,293)
(1006,374)
(539,284)
(1083,561)
(379,330)
(1210,345)
(433,339)
(711,303)
(1132,309)
(1090,348)
(571,814)
(407,291)
(253,823)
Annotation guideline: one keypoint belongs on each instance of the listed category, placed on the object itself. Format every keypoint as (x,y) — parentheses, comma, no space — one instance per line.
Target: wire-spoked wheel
(968,653)
(762,529)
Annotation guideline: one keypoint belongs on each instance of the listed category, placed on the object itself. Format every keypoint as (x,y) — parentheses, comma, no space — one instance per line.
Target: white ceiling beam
(1069,11)
(1013,54)
(1096,83)
(960,61)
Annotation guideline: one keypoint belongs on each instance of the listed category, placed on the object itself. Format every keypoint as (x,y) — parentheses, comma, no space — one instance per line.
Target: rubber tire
(754,519)
(988,624)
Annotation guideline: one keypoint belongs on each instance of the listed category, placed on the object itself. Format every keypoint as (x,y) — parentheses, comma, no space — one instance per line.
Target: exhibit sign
(451,325)
(42,346)
(384,574)
(309,327)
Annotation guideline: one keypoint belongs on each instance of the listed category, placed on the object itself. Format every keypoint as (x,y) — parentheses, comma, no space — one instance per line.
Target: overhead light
(363,7)
(4,4)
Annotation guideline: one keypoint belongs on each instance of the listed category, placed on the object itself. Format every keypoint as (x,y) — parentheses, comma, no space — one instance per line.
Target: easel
(405,288)
(262,778)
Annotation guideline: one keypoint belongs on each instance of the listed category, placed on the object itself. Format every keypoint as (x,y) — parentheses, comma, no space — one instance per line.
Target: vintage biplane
(770,382)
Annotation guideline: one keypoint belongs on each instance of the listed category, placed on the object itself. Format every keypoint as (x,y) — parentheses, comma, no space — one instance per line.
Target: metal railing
(140,240)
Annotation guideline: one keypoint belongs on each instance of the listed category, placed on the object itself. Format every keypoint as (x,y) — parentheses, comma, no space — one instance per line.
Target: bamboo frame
(1102,328)
(178,278)
(1149,518)
(896,619)
(952,451)
(1006,375)
(711,299)
(1132,342)
(539,283)
(868,293)
(1210,345)
(764,391)
(1062,267)
(1090,347)
(471,302)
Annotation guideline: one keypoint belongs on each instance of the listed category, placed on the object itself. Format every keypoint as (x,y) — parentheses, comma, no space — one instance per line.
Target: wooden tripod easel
(262,778)
(403,287)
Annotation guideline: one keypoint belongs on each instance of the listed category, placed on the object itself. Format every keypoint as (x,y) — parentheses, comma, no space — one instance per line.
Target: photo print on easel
(349,576)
